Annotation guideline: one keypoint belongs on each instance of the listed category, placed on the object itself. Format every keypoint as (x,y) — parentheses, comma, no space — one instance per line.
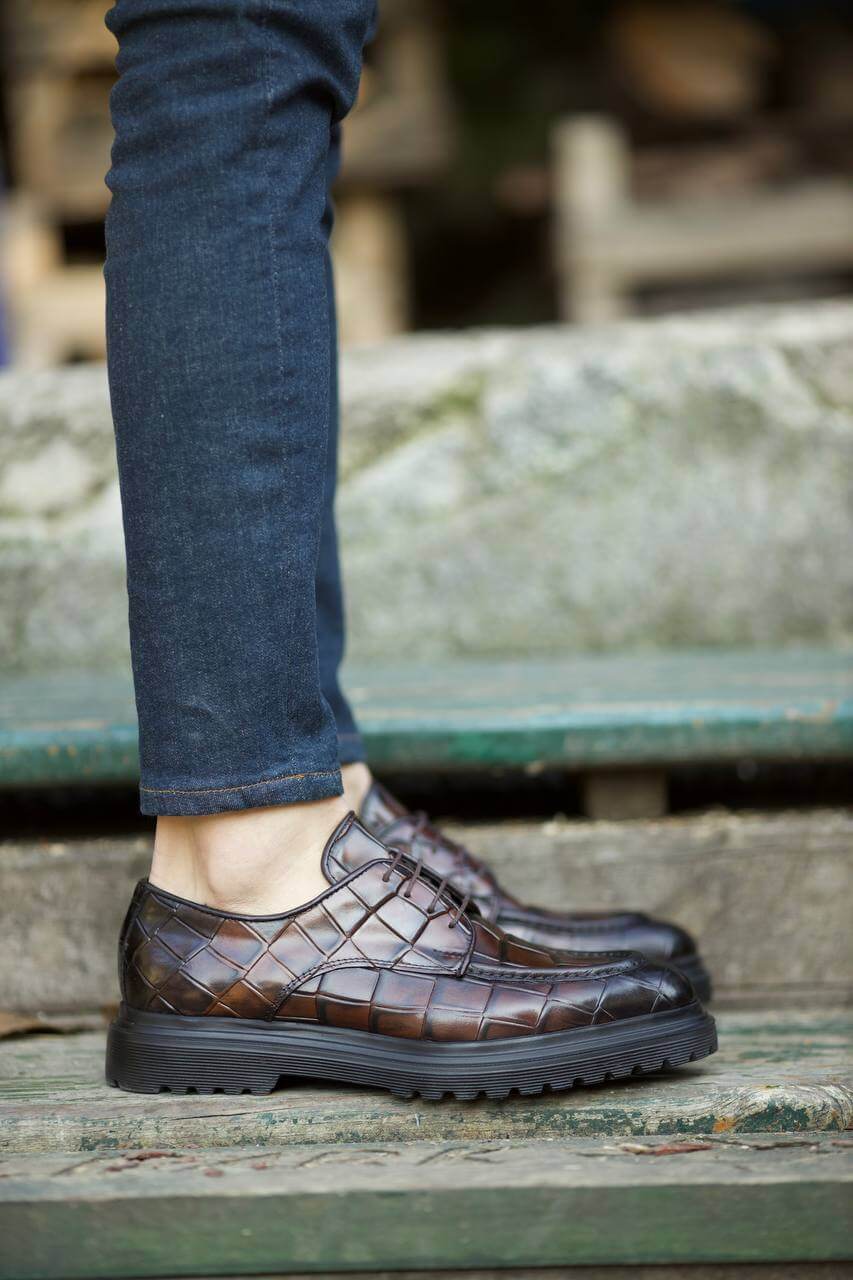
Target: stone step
(547,490)
(424,1206)
(764,893)
(773,1072)
(593,715)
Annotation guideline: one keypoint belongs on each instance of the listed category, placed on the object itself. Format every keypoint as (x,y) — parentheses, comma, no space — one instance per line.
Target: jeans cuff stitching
(243,786)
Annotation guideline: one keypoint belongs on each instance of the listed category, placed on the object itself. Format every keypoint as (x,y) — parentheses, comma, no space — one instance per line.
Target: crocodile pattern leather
(658,939)
(342,857)
(382,951)
(566,931)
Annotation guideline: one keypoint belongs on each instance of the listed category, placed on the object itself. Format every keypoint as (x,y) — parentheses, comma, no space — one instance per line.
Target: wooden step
(592,713)
(425,1205)
(772,1073)
(722,875)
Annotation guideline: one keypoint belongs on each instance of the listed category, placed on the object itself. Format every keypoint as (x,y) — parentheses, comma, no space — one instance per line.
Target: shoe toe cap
(634,992)
(667,987)
(647,988)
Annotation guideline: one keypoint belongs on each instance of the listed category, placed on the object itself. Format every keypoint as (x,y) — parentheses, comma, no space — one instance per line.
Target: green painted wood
(579,713)
(693,1271)
(773,1072)
(422,1205)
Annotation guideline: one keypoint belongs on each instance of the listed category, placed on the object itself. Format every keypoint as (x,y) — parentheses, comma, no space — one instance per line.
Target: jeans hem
(291,788)
(351,748)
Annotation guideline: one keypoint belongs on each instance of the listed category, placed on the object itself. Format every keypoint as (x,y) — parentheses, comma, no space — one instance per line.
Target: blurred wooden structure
(58,71)
(398,138)
(56,308)
(609,243)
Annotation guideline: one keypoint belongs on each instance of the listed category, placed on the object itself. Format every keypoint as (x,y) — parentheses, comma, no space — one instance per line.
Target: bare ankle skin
(254,862)
(357,780)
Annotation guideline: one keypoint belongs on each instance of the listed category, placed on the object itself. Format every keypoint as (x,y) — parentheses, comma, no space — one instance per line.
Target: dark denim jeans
(222,363)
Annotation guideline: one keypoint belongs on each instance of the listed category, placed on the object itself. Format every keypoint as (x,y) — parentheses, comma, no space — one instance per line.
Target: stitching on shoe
(487,973)
(550,926)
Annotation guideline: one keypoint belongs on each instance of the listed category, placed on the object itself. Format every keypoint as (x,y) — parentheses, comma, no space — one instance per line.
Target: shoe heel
(164,1060)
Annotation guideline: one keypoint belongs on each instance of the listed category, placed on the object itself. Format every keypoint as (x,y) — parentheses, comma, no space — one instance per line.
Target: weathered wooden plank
(608,243)
(772,1073)
(722,875)
(579,713)
(422,1206)
(767,895)
(692,241)
(690,1271)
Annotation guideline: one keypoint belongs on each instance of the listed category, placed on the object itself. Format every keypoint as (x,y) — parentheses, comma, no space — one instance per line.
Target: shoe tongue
(348,848)
(380,808)
(382,813)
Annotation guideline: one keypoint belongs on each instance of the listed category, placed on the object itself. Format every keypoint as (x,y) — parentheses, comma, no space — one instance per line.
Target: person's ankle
(253,862)
(357,780)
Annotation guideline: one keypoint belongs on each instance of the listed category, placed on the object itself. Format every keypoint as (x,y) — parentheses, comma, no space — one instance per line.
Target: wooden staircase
(735,1167)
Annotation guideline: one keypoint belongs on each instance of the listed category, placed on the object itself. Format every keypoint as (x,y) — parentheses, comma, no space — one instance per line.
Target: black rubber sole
(693,968)
(157,1053)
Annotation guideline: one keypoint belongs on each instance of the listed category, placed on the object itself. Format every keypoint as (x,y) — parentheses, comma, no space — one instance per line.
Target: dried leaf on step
(668,1149)
(39,1024)
(20,1024)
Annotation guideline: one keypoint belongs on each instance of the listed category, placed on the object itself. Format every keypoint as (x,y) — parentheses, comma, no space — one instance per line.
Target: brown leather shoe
(569,931)
(381,980)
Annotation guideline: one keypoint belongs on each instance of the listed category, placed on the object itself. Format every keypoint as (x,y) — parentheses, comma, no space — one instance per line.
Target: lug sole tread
(181,1067)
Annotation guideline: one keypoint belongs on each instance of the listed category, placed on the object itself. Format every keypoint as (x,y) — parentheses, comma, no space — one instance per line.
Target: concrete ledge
(658,484)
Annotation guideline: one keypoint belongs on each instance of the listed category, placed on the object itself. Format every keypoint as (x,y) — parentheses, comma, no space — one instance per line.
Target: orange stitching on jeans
(262,782)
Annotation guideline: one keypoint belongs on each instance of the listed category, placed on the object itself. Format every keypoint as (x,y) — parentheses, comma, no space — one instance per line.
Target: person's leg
(219,355)
(330,605)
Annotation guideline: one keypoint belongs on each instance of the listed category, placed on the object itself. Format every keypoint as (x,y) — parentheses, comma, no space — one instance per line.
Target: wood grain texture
(422,1205)
(773,1073)
(581,713)
(766,895)
(690,1271)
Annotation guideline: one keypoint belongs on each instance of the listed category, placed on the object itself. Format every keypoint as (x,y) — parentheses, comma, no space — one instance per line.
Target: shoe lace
(413,868)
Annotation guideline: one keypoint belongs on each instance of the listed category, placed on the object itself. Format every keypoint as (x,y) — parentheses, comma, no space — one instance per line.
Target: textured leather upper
(384,950)
(568,931)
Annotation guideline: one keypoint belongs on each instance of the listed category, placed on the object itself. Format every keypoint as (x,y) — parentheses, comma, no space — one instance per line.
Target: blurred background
(507,164)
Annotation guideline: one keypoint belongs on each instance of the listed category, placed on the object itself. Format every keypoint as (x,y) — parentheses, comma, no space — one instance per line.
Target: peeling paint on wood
(583,712)
(420,1205)
(772,1073)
